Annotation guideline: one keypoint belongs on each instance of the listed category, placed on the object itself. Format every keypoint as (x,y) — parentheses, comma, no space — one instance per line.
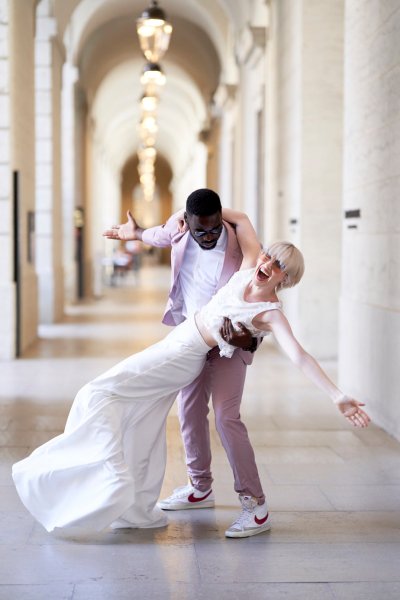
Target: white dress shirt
(200,273)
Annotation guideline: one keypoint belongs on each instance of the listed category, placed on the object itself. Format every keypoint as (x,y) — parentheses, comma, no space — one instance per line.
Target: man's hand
(240,338)
(127,231)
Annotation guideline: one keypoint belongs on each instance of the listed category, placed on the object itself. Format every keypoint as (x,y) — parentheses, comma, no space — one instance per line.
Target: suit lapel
(233,257)
(179,251)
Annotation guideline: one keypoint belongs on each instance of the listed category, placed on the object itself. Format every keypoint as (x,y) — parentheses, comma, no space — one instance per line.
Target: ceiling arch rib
(190,49)
(87,16)
(103,45)
(182,114)
(181,94)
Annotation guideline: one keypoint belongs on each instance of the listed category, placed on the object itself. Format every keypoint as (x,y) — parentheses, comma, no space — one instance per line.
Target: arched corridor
(301,136)
(289,109)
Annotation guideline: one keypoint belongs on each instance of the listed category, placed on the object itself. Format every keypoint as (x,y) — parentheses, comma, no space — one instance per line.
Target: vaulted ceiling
(101,41)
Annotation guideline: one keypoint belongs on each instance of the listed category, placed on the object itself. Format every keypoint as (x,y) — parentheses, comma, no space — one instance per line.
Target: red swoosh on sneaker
(192,497)
(261,521)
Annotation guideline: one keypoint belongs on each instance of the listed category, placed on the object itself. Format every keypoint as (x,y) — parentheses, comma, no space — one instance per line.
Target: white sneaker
(187,497)
(252,520)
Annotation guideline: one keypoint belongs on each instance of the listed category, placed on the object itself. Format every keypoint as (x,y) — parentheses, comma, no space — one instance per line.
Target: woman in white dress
(107,468)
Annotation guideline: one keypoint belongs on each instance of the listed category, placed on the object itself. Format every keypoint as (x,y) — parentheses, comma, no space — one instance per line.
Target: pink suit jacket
(163,236)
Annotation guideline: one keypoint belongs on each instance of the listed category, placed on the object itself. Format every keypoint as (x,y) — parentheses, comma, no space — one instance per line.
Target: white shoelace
(181,491)
(247,510)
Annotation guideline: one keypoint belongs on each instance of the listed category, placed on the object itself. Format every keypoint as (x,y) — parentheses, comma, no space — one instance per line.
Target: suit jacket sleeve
(162,236)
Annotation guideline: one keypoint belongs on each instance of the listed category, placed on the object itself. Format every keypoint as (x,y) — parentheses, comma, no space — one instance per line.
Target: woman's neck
(253,293)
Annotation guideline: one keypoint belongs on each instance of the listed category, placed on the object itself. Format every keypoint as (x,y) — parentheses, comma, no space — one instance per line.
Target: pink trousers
(223,379)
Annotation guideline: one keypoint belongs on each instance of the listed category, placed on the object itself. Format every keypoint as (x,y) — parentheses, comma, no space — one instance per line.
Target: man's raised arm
(127,231)
(159,236)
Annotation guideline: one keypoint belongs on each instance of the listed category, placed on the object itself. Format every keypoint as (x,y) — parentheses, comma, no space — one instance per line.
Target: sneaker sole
(182,506)
(248,532)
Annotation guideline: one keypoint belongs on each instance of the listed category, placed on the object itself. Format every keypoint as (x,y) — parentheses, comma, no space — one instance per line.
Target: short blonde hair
(291,258)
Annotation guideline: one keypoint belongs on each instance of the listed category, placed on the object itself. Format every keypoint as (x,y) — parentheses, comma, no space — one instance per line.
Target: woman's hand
(350,409)
(182,225)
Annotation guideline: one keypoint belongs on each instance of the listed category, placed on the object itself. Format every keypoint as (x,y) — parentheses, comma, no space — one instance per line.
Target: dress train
(108,466)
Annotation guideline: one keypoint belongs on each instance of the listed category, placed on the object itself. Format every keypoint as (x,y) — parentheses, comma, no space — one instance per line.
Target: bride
(107,468)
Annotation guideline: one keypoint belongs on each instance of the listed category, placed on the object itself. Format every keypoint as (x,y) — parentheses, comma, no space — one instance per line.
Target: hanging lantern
(146,153)
(154,32)
(152,76)
(149,102)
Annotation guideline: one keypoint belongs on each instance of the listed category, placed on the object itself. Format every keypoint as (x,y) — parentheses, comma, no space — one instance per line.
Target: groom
(203,259)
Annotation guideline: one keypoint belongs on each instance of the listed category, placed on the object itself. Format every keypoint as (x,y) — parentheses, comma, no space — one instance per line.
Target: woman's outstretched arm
(246,236)
(349,407)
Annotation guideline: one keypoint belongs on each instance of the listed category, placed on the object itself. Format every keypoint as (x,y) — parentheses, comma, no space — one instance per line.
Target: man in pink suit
(203,259)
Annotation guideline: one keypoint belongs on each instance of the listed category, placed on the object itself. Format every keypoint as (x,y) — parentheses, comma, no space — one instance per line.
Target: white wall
(370,298)
(304,133)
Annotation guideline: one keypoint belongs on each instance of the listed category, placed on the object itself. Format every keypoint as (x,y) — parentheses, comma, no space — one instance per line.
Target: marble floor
(334,492)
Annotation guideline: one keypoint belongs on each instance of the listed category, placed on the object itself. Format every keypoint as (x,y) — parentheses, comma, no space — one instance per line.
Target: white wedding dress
(107,468)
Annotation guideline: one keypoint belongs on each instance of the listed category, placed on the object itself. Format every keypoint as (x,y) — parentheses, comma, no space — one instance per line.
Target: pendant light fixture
(154,32)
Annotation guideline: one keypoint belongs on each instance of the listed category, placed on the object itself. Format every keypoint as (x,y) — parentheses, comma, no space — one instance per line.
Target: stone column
(226,107)
(49,57)
(249,135)
(193,175)
(370,297)
(7,283)
(71,196)
(18,317)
